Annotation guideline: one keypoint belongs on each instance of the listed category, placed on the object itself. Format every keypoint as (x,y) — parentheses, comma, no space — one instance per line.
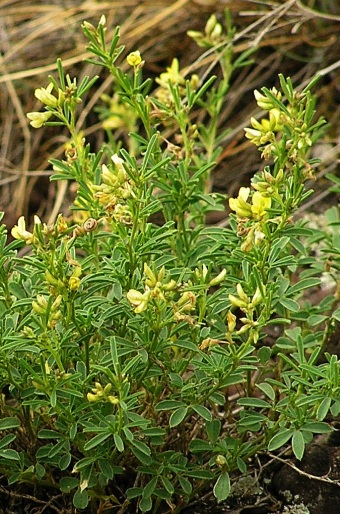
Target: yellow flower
(260,204)
(19,231)
(140,300)
(172,75)
(134,58)
(239,204)
(264,102)
(208,343)
(45,96)
(74,283)
(187,301)
(231,319)
(119,163)
(40,305)
(38,118)
(220,277)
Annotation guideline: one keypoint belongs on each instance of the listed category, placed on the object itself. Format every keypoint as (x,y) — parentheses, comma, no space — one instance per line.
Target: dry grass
(292,38)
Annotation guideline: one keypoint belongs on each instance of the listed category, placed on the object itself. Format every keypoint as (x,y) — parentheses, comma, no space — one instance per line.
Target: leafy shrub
(136,359)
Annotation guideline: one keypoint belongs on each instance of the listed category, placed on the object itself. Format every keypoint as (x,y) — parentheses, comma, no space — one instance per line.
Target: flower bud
(170,286)
(237,302)
(217,280)
(221,461)
(74,283)
(113,399)
(56,303)
(107,388)
(134,58)
(231,320)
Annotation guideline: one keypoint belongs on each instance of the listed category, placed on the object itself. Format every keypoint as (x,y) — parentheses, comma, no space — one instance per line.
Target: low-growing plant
(137,362)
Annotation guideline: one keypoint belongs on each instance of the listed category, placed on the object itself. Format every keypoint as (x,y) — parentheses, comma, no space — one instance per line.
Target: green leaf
(80,499)
(316,319)
(202,411)
(145,504)
(264,354)
(9,454)
(142,457)
(289,304)
(323,408)
(64,461)
(317,427)
(96,440)
(200,474)
(298,444)
(150,487)
(118,442)
(106,468)
(49,434)
(222,487)
(177,416)
(134,492)
(66,484)
(253,402)
(280,439)
(142,447)
(168,485)
(7,423)
(185,485)
(199,445)
(40,471)
(242,466)
(336,314)
(169,405)
(306,283)
(5,441)
(267,390)
(213,429)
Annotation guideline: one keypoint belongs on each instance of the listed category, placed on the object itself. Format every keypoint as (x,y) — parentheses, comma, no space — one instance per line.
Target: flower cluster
(212,35)
(46,307)
(41,231)
(263,133)
(100,393)
(247,305)
(256,209)
(51,103)
(251,216)
(173,77)
(155,287)
(120,114)
(115,188)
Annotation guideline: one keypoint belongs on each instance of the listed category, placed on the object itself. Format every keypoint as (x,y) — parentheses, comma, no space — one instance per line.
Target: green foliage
(122,340)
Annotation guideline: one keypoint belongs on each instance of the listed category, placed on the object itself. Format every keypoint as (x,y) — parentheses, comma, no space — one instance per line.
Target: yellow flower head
(240,204)
(139,300)
(172,75)
(19,231)
(260,204)
(38,118)
(134,58)
(45,96)
(264,102)
(74,283)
